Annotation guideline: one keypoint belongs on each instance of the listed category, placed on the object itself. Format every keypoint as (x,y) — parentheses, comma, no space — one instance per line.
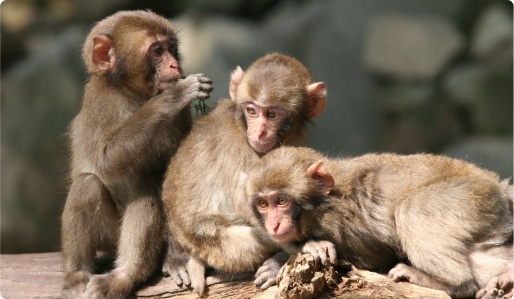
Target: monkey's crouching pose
(134,114)
(270,105)
(431,220)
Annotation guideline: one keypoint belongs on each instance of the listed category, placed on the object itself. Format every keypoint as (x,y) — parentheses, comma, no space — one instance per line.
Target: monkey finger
(202,78)
(202,95)
(322,256)
(198,286)
(266,279)
(321,250)
(205,79)
(400,272)
(332,253)
(206,87)
(180,276)
(480,294)
(269,283)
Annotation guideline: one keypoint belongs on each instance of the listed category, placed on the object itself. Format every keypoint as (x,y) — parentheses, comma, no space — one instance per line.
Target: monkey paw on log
(430,220)
(134,114)
(270,104)
(304,277)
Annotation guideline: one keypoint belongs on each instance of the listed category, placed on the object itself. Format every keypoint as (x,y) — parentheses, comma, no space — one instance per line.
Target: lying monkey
(430,220)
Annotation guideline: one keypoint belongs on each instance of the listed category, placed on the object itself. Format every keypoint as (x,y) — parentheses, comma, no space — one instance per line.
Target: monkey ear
(318,173)
(103,53)
(235,79)
(317,99)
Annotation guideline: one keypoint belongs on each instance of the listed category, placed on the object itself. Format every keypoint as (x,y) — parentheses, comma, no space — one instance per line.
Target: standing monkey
(134,114)
(437,222)
(269,106)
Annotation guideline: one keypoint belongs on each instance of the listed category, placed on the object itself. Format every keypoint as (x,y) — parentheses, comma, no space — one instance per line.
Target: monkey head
(275,97)
(133,54)
(282,198)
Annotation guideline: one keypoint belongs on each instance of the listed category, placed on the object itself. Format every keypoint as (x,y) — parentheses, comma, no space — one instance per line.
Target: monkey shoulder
(421,163)
(388,176)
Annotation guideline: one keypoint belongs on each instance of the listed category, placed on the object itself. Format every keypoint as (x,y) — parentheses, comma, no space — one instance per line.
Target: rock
(485,89)
(492,33)
(302,277)
(411,48)
(422,129)
(400,97)
(39,98)
(464,83)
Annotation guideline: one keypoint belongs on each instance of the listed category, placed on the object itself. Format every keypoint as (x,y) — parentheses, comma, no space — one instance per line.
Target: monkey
(431,220)
(269,106)
(135,111)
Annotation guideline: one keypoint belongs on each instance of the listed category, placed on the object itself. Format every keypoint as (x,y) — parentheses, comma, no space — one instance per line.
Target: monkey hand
(266,275)
(115,284)
(176,269)
(194,87)
(185,271)
(325,251)
(75,284)
(498,287)
(403,272)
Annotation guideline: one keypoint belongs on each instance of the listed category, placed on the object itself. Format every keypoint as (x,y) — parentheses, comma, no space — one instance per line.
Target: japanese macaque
(134,114)
(430,220)
(269,105)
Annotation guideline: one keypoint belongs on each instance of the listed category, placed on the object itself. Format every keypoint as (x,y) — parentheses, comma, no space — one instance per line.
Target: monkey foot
(498,287)
(75,284)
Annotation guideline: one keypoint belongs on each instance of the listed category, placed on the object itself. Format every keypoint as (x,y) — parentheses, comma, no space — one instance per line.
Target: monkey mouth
(263,146)
(286,236)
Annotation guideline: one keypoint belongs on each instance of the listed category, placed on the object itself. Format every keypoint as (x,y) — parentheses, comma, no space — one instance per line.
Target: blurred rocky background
(403,76)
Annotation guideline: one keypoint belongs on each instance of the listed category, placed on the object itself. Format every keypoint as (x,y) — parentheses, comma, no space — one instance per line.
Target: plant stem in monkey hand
(200,105)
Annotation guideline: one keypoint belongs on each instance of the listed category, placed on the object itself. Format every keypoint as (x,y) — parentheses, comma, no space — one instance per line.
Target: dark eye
(281,201)
(271,113)
(251,110)
(157,50)
(261,203)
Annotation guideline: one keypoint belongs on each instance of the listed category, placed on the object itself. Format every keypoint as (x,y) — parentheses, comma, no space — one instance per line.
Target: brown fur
(448,219)
(202,185)
(130,124)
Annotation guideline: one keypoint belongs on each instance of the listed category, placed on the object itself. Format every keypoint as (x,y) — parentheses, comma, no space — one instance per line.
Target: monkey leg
(239,248)
(139,250)
(89,223)
(435,224)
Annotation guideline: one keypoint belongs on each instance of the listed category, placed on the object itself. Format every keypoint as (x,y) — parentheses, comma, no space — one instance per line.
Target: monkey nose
(276,228)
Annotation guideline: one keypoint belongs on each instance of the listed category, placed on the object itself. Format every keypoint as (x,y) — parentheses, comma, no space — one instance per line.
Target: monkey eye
(282,200)
(261,203)
(157,50)
(251,110)
(275,113)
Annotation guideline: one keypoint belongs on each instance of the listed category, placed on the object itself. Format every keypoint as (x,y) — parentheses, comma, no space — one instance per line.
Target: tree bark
(40,276)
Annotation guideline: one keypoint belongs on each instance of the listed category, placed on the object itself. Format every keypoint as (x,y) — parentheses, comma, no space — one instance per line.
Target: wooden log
(24,276)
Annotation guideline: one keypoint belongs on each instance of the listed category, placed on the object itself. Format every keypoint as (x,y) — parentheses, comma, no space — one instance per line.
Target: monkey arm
(163,116)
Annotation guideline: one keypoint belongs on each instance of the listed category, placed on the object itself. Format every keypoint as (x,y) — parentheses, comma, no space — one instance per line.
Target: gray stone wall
(402,75)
